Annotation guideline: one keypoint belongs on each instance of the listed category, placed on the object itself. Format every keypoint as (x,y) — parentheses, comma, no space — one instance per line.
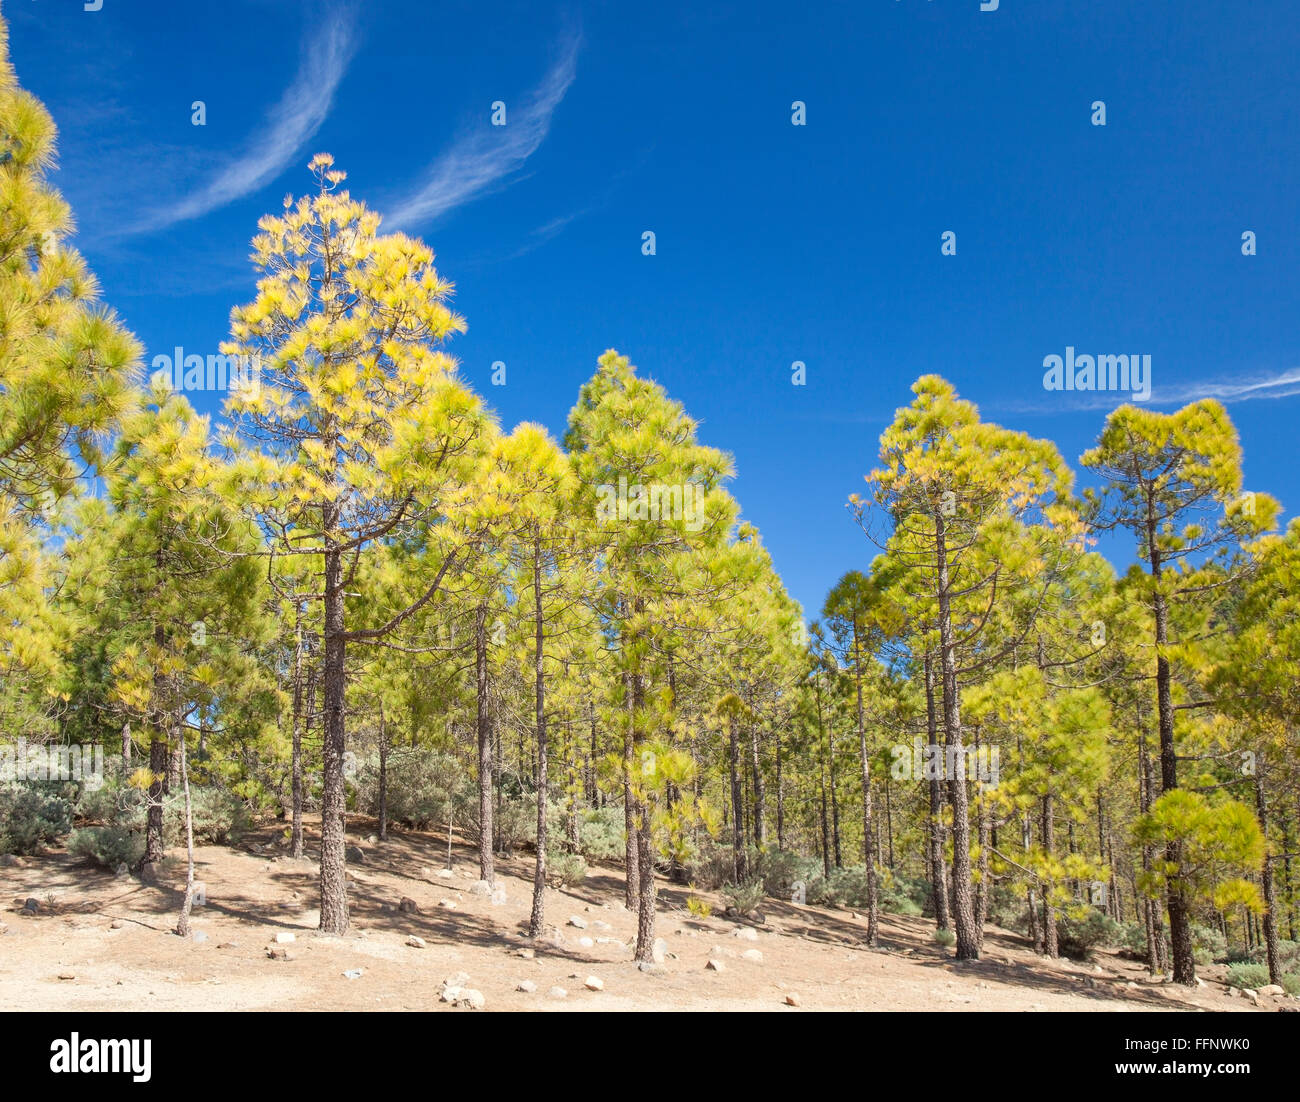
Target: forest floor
(102,943)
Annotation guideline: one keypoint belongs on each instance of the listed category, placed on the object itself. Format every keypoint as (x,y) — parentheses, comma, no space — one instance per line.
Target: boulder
(408,906)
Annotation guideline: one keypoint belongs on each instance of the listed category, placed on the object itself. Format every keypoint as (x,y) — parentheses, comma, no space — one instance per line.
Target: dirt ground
(102,943)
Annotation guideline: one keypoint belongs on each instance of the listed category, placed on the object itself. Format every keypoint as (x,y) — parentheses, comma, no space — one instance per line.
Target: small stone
(586,942)
(447,904)
(456,979)
(415,942)
(659,951)
(527,954)
(449,994)
(408,906)
(1200,982)
(715,966)
(480,887)
(1272,989)
(1234,992)
(353,973)
(526,986)
(285,938)
(198,937)
(577,922)
(755,955)
(279,954)
(652,969)
(9,861)
(471,999)
(116,924)
(121,872)
(594,983)
(67,976)
(228,945)
(599,925)
(557,992)
(31,907)
(444,874)
(746,933)
(373,840)
(355,854)
(498,896)
(793,1000)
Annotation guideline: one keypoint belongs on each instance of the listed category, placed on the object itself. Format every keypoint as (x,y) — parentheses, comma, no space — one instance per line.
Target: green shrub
(781,871)
(946,938)
(1208,945)
(1247,975)
(219,817)
(744,897)
(565,869)
(1079,932)
(1291,983)
(902,895)
(424,787)
(601,836)
(30,818)
(107,846)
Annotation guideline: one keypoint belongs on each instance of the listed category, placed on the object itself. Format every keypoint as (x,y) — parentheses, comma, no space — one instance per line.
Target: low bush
(30,818)
(107,846)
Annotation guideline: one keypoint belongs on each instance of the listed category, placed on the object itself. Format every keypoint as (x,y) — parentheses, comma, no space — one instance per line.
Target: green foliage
(30,818)
(1248,975)
(565,869)
(601,834)
(946,938)
(219,817)
(1081,930)
(425,786)
(108,846)
(744,897)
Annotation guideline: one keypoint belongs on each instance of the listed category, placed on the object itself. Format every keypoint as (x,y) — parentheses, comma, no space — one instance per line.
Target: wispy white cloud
(480,162)
(291,124)
(1285,384)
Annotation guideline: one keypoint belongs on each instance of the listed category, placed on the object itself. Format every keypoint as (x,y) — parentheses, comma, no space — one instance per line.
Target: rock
(480,887)
(526,986)
(355,854)
(557,992)
(755,955)
(9,861)
(228,945)
(284,937)
(353,973)
(527,954)
(471,999)
(444,874)
(498,896)
(659,951)
(586,942)
(456,979)
(715,966)
(793,1000)
(67,976)
(599,925)
(279,954)
(116,924)
(449,994)
(415,942)
(650,968)
(594,983)
(1234,992)
(408,906)
(121,872)
(373,840)
(746,933)
(577,922)
(1200,982)
(198,937)
(447,904)
(1272,989)
(31,907)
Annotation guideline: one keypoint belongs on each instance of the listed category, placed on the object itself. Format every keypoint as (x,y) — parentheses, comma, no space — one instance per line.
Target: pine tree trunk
(484,736)
(760,792)
(538,914)
(737,821)
(154,850)
(333,865)
(868,826)
(645,915)
(1271,946)
(183,924)
(383,778)
(295,832)
(938,869)
(780,795)
(1051,945)
(962,899)
(632,861)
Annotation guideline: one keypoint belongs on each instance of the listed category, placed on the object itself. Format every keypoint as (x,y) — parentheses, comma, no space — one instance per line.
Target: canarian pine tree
(363,431)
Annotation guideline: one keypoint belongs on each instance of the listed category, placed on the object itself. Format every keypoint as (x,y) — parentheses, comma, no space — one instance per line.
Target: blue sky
(775,243)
